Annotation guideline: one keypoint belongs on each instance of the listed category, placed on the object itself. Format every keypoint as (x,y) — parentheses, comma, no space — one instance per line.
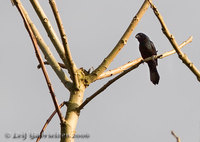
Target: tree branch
(122,42)
(173,42)
(177,138)
(49,120)
(34,41)
(45,49)
(131,63)
(50,31)
(71,65)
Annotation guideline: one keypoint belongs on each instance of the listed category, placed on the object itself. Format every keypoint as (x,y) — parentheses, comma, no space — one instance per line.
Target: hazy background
(132,109)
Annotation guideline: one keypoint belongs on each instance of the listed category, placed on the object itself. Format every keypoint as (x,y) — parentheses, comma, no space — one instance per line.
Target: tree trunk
(68,129)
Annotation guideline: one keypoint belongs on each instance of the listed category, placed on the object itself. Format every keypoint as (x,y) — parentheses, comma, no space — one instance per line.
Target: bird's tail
(154,76)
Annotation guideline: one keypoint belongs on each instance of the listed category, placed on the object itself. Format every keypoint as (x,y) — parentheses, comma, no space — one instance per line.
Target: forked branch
(173,42)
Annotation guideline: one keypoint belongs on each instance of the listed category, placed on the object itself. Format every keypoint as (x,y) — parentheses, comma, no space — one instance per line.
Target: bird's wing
(153,48)
(154,51)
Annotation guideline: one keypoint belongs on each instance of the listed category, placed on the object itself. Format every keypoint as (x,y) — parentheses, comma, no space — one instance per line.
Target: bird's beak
(137,36)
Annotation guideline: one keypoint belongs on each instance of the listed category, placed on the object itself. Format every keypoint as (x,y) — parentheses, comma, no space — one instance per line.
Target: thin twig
(71,65)
(47,63)
(122,42)
(131,63)
(34,41)
(49,120)
(177,138)
(173,42)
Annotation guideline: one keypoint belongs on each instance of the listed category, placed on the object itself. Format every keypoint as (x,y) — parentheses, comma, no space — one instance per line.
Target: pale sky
(132,109)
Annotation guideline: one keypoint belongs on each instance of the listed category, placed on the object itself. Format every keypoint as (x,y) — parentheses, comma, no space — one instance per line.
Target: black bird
(147,49)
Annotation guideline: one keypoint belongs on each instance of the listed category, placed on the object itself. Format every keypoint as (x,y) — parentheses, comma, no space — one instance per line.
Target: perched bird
(147,49)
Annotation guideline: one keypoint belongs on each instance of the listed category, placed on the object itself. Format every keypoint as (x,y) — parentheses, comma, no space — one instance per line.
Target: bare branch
(47,53)
(122,42)
(34,41)
(119,69)
(173,42)
(49,120)
(131,63)
(71,65)
(50,31)
(177,138)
